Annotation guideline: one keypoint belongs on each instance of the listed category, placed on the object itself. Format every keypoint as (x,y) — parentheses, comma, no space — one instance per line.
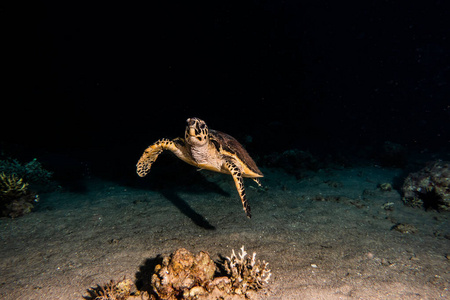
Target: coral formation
(32,172)
(15,179)
(182,274)
(15,199)
(185,276)
(429,188)
(12,185)
(113,290)
(246,273)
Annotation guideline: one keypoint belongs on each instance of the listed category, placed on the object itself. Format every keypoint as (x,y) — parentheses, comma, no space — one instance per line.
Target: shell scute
(228,145)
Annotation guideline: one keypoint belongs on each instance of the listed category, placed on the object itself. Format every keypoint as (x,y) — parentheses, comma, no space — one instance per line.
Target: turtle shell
(228,145)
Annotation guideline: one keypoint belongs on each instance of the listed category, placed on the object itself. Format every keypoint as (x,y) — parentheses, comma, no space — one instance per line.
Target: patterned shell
(228,144)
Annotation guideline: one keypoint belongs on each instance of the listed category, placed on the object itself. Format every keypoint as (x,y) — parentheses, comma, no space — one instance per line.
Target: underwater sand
(326,236)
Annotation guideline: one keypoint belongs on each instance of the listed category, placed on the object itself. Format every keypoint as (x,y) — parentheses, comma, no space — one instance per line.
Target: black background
(100,82)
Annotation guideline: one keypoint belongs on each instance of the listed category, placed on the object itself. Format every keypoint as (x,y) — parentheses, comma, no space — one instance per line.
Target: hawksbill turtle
(207,149)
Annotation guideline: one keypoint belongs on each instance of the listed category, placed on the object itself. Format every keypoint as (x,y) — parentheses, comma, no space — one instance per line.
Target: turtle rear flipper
(239,182)
(257,182)
(177,146)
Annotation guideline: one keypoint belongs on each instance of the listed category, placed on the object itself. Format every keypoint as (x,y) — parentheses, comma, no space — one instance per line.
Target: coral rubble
(429,187)
(185,276)
(15,199)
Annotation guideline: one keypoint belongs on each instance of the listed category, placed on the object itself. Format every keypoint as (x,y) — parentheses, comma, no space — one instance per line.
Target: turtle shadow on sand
(187,210)
(181,178)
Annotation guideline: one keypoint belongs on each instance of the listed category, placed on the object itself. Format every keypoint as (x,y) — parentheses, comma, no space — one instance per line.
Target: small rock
(388,206)
(114,241)
(404,228)
(385,187)
(385,262)
(414,257)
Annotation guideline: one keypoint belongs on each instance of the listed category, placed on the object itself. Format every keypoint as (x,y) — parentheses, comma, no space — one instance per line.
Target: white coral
(247,273)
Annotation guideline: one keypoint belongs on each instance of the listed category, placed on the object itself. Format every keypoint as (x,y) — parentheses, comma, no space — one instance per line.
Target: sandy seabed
(326,236)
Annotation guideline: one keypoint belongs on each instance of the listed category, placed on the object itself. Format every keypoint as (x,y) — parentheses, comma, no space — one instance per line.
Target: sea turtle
(207,149)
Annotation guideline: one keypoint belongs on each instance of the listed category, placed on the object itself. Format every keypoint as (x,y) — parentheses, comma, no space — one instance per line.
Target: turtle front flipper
(236,172)
(177,146)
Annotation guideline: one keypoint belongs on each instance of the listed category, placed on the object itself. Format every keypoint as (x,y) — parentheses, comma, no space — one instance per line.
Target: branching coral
(10,185)
(15,199)
(113,290)
(246,273)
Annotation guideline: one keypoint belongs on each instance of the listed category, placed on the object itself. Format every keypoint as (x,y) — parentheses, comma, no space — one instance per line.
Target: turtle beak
(192,124)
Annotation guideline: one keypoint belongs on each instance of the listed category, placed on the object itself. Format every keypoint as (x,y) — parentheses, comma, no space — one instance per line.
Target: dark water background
(93,84)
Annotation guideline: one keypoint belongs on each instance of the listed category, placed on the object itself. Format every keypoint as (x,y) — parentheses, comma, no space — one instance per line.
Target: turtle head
(196,132)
